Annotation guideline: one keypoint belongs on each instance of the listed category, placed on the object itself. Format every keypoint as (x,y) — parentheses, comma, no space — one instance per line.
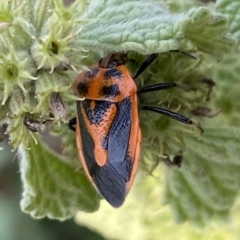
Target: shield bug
(107,125)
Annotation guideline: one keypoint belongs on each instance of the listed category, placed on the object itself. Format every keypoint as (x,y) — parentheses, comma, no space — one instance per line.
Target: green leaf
(207,27)
(203,189)
(226,76)
(182,5)
(231,9)
(208,182)
(153,28)
(42,12)
(53,187)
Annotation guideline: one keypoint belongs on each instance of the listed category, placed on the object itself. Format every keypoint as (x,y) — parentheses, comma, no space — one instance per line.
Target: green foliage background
(14,224)
(203,194)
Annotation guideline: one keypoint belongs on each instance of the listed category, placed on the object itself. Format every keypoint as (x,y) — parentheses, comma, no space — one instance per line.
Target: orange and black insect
(107,124)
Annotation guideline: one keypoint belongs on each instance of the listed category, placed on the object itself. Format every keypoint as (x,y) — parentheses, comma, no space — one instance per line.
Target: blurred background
(16,225)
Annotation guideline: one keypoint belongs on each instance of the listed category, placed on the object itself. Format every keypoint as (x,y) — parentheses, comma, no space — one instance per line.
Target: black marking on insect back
(87,141)
(109,91)
(113,73)
(109,183)
(97,114)
(92,73)
(82,88)
(118,140)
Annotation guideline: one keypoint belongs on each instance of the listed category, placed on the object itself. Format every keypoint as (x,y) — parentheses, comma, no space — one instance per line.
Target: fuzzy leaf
(53,187)
(231,9)
(208,182)
(226,75)
(148,27)
(43,9)
(207,28)
(203,189)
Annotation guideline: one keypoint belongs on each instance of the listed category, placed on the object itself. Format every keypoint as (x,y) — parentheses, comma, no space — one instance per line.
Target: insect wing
(118,140)
(111,178)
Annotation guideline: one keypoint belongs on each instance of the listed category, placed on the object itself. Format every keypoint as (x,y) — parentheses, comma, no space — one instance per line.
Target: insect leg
(151,58)
(184,53)
(177,116)
(162,86)
(145,64)
(71,124)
